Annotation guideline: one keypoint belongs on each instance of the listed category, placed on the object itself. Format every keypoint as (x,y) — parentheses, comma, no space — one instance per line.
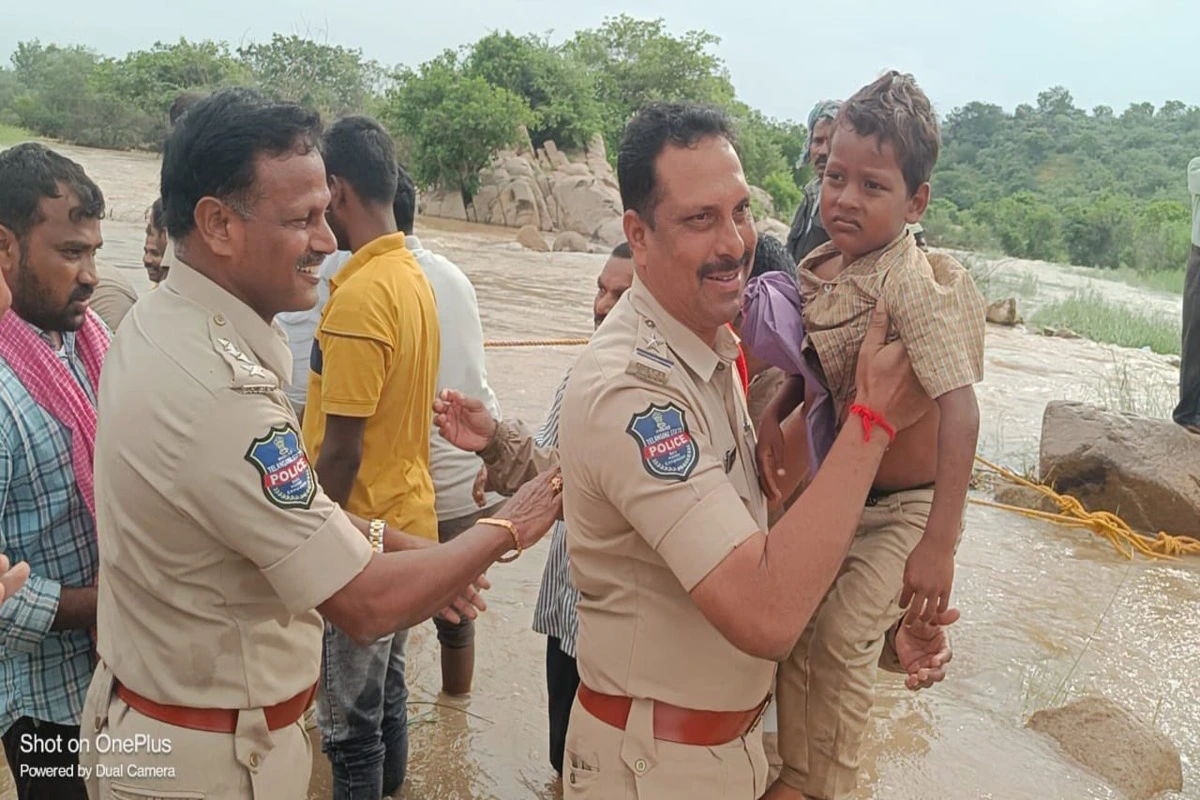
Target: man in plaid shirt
(51,347)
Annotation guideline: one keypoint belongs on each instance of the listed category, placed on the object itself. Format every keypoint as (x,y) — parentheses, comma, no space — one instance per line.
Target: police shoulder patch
(287,477)
(668,450)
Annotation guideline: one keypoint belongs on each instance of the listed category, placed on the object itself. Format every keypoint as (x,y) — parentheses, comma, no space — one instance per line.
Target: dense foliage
(1055,182)
(1047,181)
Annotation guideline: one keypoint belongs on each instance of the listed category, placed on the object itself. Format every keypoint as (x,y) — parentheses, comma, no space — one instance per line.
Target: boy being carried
(885,144)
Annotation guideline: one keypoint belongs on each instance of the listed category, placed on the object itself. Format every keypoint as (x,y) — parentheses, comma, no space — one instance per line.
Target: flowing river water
(1049,614)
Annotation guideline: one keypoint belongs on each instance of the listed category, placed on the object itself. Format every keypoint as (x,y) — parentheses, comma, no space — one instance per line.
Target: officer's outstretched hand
(535,507)
(885,381)
(463,421)
(468,604)
(11,580)
(923,649)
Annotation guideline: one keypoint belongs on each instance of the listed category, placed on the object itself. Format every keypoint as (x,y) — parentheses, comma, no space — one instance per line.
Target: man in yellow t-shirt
(372,380)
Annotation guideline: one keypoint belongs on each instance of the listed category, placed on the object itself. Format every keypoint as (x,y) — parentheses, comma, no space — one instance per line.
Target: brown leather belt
(675,724)
(216,720)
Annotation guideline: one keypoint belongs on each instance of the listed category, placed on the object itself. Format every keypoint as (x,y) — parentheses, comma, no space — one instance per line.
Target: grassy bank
(11,134)
(1092,317)
(1162,280)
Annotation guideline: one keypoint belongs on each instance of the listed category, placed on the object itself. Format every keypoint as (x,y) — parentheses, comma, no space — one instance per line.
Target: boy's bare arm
(929,573)
(958,435)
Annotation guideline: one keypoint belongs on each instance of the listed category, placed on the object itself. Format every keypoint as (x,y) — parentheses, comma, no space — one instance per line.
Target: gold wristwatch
(511,528)
(375,534)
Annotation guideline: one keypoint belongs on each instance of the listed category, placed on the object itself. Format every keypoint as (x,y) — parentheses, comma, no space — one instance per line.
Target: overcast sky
(782,55)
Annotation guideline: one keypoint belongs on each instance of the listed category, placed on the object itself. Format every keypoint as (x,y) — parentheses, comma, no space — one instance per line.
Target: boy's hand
(768,454)
(928,578)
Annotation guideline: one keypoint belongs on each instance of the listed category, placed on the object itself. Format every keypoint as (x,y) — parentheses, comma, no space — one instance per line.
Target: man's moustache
(721,267)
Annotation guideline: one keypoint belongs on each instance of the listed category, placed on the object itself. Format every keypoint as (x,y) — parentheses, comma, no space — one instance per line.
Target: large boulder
(1145,470)
(442,203)
(570,242)
(531,238)
(584,203)
(1003,312)
(1112,742)
(769,226)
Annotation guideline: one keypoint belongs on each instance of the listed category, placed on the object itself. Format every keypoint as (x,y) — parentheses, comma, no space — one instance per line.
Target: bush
(784,192)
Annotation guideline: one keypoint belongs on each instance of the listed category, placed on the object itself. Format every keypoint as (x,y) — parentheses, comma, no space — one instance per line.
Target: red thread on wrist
(871,417)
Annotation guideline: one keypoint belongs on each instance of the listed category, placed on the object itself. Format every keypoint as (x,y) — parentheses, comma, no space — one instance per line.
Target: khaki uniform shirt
(216,543)
(112,297)
(932,303)
(659,487)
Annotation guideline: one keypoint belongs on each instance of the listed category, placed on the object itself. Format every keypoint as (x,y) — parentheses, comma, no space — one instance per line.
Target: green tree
(560,92)
(635,62)
(332,79)
(451,123)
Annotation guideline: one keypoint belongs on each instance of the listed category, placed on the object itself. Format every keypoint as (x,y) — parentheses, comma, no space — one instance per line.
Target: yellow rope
(1102,523)
(535,343)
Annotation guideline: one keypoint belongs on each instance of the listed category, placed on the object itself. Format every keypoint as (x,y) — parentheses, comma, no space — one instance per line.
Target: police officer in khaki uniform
(685,602)
(219,552)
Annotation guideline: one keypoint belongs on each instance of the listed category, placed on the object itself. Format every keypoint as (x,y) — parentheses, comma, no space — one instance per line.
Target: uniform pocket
(582,774)
(119,791)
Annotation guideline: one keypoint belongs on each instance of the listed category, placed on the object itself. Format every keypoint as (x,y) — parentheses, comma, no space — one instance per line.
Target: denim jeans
(362,711)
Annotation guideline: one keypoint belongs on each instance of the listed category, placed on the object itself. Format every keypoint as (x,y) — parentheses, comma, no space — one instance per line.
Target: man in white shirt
(301,326)
(464,369)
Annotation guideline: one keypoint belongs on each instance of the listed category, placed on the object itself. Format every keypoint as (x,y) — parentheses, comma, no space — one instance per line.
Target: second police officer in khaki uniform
(685,602)
(219,552)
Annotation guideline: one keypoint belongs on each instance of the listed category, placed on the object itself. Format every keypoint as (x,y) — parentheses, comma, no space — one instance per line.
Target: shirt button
(828,288)
(254,760)
(97,724)
(572,777)
(649,323)
(639,766)
(219,319)
(720,367)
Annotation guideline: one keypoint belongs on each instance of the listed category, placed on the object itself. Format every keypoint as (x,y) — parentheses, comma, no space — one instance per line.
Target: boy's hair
(895,110)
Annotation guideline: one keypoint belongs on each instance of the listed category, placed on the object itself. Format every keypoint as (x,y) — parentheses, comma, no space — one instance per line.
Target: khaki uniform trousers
(826,687)
(605,763)
(252,764)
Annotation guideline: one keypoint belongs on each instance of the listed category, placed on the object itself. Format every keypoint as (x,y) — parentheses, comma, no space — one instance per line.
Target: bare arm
(958,435)
(341,456)
(763,594)
(411,583)
(76,610)
(929,571)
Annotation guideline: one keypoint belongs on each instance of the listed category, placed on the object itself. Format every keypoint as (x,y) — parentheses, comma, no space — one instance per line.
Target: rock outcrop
(531,238)
(1112,742)
(1145,470)
(571,242)
(543,188)
(1003,312)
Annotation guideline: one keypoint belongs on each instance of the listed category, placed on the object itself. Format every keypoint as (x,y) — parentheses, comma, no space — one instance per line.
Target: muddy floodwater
(1049,614)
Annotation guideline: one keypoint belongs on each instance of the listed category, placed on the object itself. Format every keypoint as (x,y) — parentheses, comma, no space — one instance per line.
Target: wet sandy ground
(1048,614)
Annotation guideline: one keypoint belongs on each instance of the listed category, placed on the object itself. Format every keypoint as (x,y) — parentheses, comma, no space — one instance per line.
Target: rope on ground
(535,343)
(1124,539)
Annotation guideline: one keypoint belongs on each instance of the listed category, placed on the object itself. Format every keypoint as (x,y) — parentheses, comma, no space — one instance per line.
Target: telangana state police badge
(668,449)
(287,478)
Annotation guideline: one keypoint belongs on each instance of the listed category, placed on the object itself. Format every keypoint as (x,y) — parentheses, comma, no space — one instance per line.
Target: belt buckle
(762,712)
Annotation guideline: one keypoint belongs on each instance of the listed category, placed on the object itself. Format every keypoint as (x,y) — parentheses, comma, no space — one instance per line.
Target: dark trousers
(31,747)
(1188,410)
(562,679)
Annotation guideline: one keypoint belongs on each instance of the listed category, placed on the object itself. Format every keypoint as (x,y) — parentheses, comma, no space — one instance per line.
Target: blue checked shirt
(555,614)
(43,520)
